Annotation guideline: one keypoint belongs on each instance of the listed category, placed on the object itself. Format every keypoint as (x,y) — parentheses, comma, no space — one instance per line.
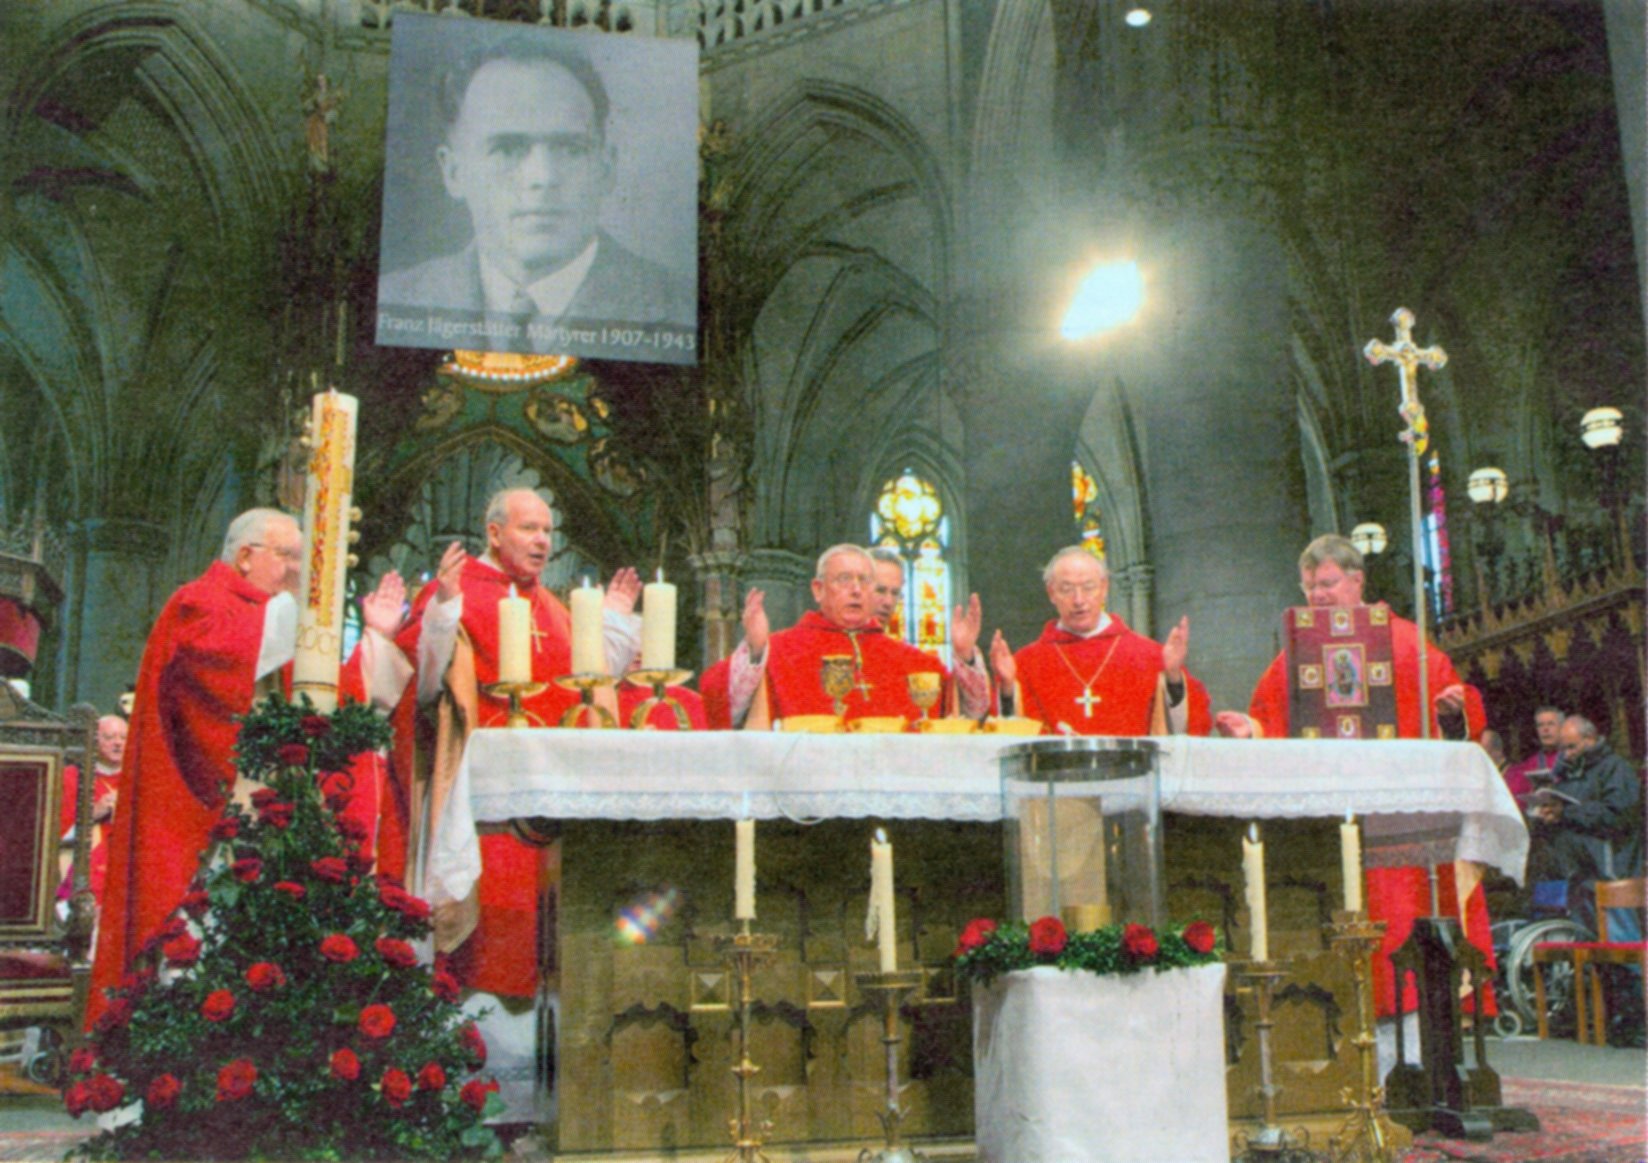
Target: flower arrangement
(282,1012)
(987,950)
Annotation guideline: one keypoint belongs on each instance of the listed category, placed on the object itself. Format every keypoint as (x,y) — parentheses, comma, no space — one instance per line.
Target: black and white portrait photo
(540,192)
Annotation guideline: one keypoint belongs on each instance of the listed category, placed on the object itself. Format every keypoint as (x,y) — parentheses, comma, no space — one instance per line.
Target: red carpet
(1580,1123)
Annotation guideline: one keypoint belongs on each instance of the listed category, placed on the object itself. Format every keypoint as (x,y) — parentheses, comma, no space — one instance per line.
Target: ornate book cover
(1340,682)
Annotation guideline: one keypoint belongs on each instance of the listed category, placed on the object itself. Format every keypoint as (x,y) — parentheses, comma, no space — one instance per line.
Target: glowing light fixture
(1109,296)
(1369,538)
(1487,486)
(1602,427)
(1137,17)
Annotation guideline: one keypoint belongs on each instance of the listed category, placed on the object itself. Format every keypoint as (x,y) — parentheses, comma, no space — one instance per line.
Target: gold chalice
(836,673)
(924,690)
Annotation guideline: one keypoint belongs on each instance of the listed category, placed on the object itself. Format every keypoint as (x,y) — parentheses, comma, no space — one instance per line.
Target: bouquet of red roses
(283,1012)
(987,950)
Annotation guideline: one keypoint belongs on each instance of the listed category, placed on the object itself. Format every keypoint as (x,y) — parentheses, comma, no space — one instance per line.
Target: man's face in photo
(1547,725)
(527,158)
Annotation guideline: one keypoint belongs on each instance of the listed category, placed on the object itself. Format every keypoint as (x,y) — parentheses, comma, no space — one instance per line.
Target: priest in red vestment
(845,625)
(111,751)
(1089,674)
(1331,574)
(215,641)
(452,636)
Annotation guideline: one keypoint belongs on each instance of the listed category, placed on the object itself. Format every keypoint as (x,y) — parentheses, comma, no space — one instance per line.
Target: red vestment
(501,955)
(195,677)
(1398,895)
(1053,669)
(661,718)
(793,677)
(713,686)
(103,783)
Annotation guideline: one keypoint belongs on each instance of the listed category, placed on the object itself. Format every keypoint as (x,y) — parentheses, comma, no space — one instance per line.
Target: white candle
(327,512)
(658,625)
(514,638)
(1350,859)
(743,890)
(881,901)
(589,650)
(1253,871)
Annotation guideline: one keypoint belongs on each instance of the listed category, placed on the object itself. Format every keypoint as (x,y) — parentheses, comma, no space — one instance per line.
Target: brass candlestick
(1367,1134)
(925,687)
(586,685)
(658,680)
(1270,1142)
(744,950)
(835,672)
(516,692)
(893,987)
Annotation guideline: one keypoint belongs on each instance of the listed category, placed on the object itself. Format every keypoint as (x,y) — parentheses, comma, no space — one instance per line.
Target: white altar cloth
(1422,802)
(1088,1069)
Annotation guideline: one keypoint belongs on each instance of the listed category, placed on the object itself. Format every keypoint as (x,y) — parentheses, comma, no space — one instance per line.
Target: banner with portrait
(540,192)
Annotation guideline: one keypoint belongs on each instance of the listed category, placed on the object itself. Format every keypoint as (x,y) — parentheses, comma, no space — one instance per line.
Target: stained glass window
(1084,499)
(1438,558)
(909,519)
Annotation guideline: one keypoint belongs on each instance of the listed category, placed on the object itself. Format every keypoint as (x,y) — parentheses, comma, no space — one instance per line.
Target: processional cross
(1408,358)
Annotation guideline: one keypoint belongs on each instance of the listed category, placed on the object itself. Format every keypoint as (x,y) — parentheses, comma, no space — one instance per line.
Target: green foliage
(986,952)
(283,1012)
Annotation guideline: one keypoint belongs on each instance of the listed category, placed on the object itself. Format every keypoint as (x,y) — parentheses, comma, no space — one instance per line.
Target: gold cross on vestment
(1408,357)
(1087,699)
(538,635)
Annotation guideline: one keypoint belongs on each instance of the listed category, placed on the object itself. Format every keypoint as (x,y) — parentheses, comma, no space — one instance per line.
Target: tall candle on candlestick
(328,485)
(882,910)
(1253,873)
(1350,859)
(743,889)
(589,652)
(514,639)
(658,625)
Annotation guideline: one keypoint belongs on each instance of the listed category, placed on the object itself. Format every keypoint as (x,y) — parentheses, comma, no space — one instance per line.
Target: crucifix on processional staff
(1409,358)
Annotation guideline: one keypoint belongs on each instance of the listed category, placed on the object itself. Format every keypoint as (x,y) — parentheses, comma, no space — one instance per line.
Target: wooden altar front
(646,1035)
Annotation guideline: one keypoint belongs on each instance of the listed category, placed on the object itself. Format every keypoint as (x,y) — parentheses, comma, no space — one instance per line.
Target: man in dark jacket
(1589,823)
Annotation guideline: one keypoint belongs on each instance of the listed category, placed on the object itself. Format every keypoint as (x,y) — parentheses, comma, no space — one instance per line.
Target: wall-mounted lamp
(1369,538)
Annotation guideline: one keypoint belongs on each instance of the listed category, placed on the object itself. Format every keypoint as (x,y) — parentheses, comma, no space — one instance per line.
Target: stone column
(720,602)
(785,578)
(115,592)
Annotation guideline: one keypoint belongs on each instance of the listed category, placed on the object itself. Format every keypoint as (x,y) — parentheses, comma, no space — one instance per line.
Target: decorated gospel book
(1340,677)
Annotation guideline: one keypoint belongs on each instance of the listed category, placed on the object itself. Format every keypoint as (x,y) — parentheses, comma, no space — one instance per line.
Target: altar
(643,1043)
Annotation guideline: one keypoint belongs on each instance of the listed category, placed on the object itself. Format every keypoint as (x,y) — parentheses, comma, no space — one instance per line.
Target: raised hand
(449,573)
(1002,661)
(965,625)
(384,608)
(1175,649)
(756,627)
(622,591)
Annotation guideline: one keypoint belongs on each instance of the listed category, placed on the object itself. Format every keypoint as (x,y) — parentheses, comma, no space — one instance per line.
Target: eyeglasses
(1071,589)
(844,580)
(293,553)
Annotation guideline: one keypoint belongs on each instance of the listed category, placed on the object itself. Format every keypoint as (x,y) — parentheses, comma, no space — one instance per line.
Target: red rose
(1139,942)
(472,1041)
(431,1077)
(377,1021)
(263,797)
(219,1006)
(445,986)
(175,927)
(263,976)
(345,1066)
(1047,937)
(234,1081)
(351,829)
(248,869)
(473,1095)
(396,1087)
(315,726)
(181,951)
(104,1092)
(162,1092)
(226,829)
(82,1060)
(975,935)
(77,1098)
(339,948)
(277,815)
(397,952)
(330,868)
(1200,937)
(414,908)
(293,755)
(118,1013)
(195,904)
(291,888)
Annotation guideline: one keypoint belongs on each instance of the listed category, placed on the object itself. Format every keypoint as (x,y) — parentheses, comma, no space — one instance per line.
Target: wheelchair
(1513,941)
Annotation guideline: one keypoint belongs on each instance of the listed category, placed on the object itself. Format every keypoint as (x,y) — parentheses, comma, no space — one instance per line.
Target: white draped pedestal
(1080,1068)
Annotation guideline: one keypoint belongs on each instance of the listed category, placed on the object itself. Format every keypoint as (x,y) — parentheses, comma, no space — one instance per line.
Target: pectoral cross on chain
(1088,700)
(1408,357)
